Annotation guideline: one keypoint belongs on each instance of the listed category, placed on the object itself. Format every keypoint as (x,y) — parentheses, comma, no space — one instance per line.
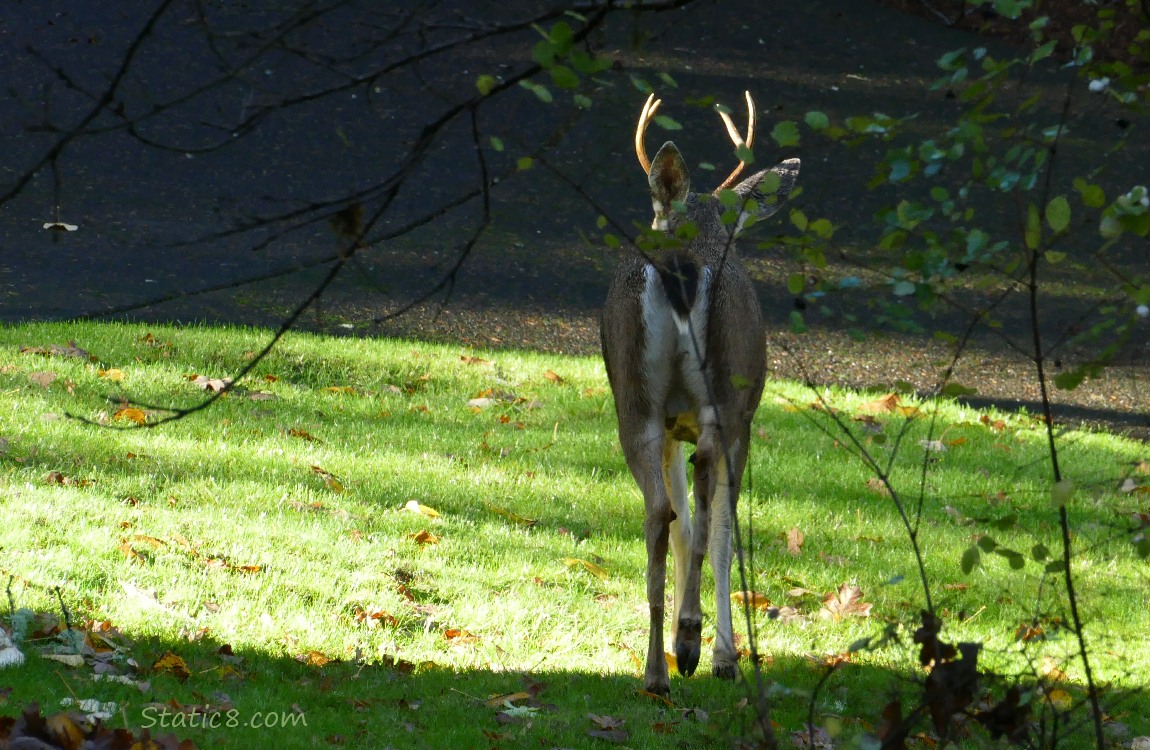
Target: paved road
(158,222)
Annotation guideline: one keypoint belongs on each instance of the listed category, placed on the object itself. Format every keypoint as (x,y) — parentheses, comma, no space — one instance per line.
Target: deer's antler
(645,118)
(738,139)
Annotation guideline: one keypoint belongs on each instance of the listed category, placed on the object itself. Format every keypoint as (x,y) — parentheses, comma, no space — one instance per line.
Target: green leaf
(1061,492)
(1092,195)
(823,228)
(561,37)
(601,222)
(1058,213)
(544,53)
(496,143)
(954,390)
(582,101)
(798,325)
(728,198)
(1042,52)
(485,83)
(611,241)
(903,288)
(816,120)
(970,559)
(796,283)
(785,133)
(1033,233)
(564,77)
(523,163)
(740,383)
(667,123)
(799,219)
(1069,380)
(745,154)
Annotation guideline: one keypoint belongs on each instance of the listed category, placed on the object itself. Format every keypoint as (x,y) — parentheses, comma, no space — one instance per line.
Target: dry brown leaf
(877,486)
(467,360)
(423,537)
(845,601)
(43,379)
(329,479)
(885,405)
(795,540)
(313,659)
(302,434)
(554,377)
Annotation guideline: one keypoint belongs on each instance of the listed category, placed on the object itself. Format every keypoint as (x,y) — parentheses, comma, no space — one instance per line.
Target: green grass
(216,530)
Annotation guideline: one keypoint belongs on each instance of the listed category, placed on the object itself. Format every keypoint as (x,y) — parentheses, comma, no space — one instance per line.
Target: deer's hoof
(725,670)
(687,646)
(658,687)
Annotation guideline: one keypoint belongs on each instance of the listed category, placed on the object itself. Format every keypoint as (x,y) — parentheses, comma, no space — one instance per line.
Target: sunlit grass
(279,522)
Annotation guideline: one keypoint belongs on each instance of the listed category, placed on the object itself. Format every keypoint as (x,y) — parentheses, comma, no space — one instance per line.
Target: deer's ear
(764,193)
(668,177)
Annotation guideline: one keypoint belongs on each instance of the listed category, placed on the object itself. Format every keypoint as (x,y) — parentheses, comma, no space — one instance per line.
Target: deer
(684,345)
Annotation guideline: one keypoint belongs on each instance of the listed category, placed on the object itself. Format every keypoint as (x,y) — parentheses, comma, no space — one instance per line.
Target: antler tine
(738,139)
(645,118)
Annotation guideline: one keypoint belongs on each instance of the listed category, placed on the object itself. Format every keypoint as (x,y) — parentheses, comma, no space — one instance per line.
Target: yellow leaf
(655,696)
(136,415)
(496,701)
(115,374)
(755,599)
(515,518)
(595,570)
(1060,699)
(170,662)
(672,661)
(415,507)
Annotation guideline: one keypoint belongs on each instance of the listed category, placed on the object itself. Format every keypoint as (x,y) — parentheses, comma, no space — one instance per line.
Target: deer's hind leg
(644,450)
(675,473)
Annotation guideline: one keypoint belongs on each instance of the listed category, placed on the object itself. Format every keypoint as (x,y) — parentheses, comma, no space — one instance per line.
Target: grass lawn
(397,544)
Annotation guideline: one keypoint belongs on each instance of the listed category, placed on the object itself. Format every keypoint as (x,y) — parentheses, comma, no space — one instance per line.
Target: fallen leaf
(423,537)
(884,405)
(755,599)
(515,518)
(43,379)
(553,377)
(795,539)
(173,664)
(303,435)
(656,697)
(877,486)
(472,360)
(844,602)
(329,479)
(215,385)
(496,701)
(596,570)
(72,660)
(131,414)
(115,374)
(416,507)
(313,659)
(459,635)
